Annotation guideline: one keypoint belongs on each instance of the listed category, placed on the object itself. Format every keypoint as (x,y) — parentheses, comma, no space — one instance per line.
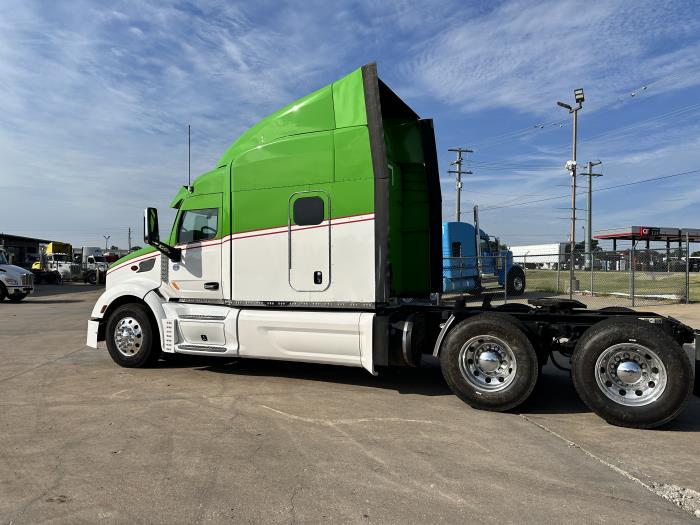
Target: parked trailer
(549,256)
(316,238)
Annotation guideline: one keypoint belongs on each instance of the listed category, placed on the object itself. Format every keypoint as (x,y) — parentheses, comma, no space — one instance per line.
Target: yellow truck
(57,258)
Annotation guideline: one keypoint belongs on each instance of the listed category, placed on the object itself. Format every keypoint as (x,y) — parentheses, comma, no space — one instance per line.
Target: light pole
(107,237)
(571,166)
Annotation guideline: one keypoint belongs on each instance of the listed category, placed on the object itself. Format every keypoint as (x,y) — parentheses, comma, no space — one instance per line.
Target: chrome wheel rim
(630,374)
(517,284)
(487,363)
(128,336)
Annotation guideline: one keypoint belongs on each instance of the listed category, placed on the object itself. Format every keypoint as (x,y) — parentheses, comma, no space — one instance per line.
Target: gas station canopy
(650,233)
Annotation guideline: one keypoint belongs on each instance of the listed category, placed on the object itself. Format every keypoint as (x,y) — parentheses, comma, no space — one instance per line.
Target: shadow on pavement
(49,290)
(689,420)
(41,300)
(554,394)
(426,380)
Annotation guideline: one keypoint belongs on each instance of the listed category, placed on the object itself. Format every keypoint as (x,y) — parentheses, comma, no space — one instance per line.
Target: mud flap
(93,330)
(696,389)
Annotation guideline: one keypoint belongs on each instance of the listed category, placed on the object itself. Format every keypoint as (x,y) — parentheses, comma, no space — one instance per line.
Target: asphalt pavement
(252,441)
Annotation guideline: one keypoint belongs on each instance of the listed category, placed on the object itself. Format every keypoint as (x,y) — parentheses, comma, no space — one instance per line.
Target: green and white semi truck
(317,238)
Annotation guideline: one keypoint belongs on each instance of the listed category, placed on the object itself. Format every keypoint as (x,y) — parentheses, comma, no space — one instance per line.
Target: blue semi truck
(471,267)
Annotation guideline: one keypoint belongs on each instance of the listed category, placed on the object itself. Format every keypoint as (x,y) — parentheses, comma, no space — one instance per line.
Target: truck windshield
(3,259)
(60,257)
(99,258)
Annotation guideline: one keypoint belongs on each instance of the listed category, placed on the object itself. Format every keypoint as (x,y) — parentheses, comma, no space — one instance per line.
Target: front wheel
(131,339)
(631,373)
(489,362)
(515,282)
(16,297)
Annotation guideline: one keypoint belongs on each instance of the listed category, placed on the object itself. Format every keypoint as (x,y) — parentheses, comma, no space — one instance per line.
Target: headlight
(12,282)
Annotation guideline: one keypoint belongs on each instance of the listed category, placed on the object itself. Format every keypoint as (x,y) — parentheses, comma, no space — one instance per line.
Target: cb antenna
(189,160)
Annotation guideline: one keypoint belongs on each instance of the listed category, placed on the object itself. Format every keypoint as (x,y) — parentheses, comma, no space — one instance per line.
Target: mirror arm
(172,253)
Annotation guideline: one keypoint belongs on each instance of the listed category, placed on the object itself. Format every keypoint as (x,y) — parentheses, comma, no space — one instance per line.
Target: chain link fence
(630,277)
(474,277)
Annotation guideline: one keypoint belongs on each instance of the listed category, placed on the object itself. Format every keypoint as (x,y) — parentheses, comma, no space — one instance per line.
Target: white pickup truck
(15,282)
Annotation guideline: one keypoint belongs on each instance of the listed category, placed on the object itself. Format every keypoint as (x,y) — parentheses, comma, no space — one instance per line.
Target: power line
(635,125)
(555,197)
(521,132)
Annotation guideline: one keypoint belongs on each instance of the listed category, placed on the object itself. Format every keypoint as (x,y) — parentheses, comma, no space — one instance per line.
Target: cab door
(309,234)
(198,234)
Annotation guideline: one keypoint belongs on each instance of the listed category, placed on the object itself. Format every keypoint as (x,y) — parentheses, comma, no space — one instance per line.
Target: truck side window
(308,211)
(197,225)
(456,249)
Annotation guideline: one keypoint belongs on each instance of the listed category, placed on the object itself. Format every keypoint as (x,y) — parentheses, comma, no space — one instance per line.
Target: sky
(95,99)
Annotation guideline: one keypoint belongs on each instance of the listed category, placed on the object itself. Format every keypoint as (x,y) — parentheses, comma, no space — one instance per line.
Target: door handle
(211,286)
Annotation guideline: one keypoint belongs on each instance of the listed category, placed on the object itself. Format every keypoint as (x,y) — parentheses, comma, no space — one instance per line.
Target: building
(22,251)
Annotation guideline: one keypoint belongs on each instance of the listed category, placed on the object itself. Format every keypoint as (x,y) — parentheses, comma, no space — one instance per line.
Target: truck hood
(12,269)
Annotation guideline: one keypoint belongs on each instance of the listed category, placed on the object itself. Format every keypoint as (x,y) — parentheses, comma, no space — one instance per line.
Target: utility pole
(107,237)
(459,173)
(129,238)
(589,207)
(571,166)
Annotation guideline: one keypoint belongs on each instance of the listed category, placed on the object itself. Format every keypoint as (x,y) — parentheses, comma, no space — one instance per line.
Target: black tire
(511,332)
(16,297)
(515,281)
(618,330)
(91,278)
(3,292)
(146,347)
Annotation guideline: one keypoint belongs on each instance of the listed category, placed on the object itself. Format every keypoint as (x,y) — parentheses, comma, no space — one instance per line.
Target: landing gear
(489,362)
(631,373)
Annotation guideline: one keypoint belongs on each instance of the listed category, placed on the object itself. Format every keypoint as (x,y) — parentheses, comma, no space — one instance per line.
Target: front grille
(27,279)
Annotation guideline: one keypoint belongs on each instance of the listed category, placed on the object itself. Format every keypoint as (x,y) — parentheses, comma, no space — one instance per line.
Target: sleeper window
(197,225)
(308,211)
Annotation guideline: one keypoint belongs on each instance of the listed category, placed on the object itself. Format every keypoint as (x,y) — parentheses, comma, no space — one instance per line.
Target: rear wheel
(132,341)
(489,362)
(631,373)
(16,297)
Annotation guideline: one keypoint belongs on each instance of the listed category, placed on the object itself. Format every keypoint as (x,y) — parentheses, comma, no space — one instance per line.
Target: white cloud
(96,97)
(525,55)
